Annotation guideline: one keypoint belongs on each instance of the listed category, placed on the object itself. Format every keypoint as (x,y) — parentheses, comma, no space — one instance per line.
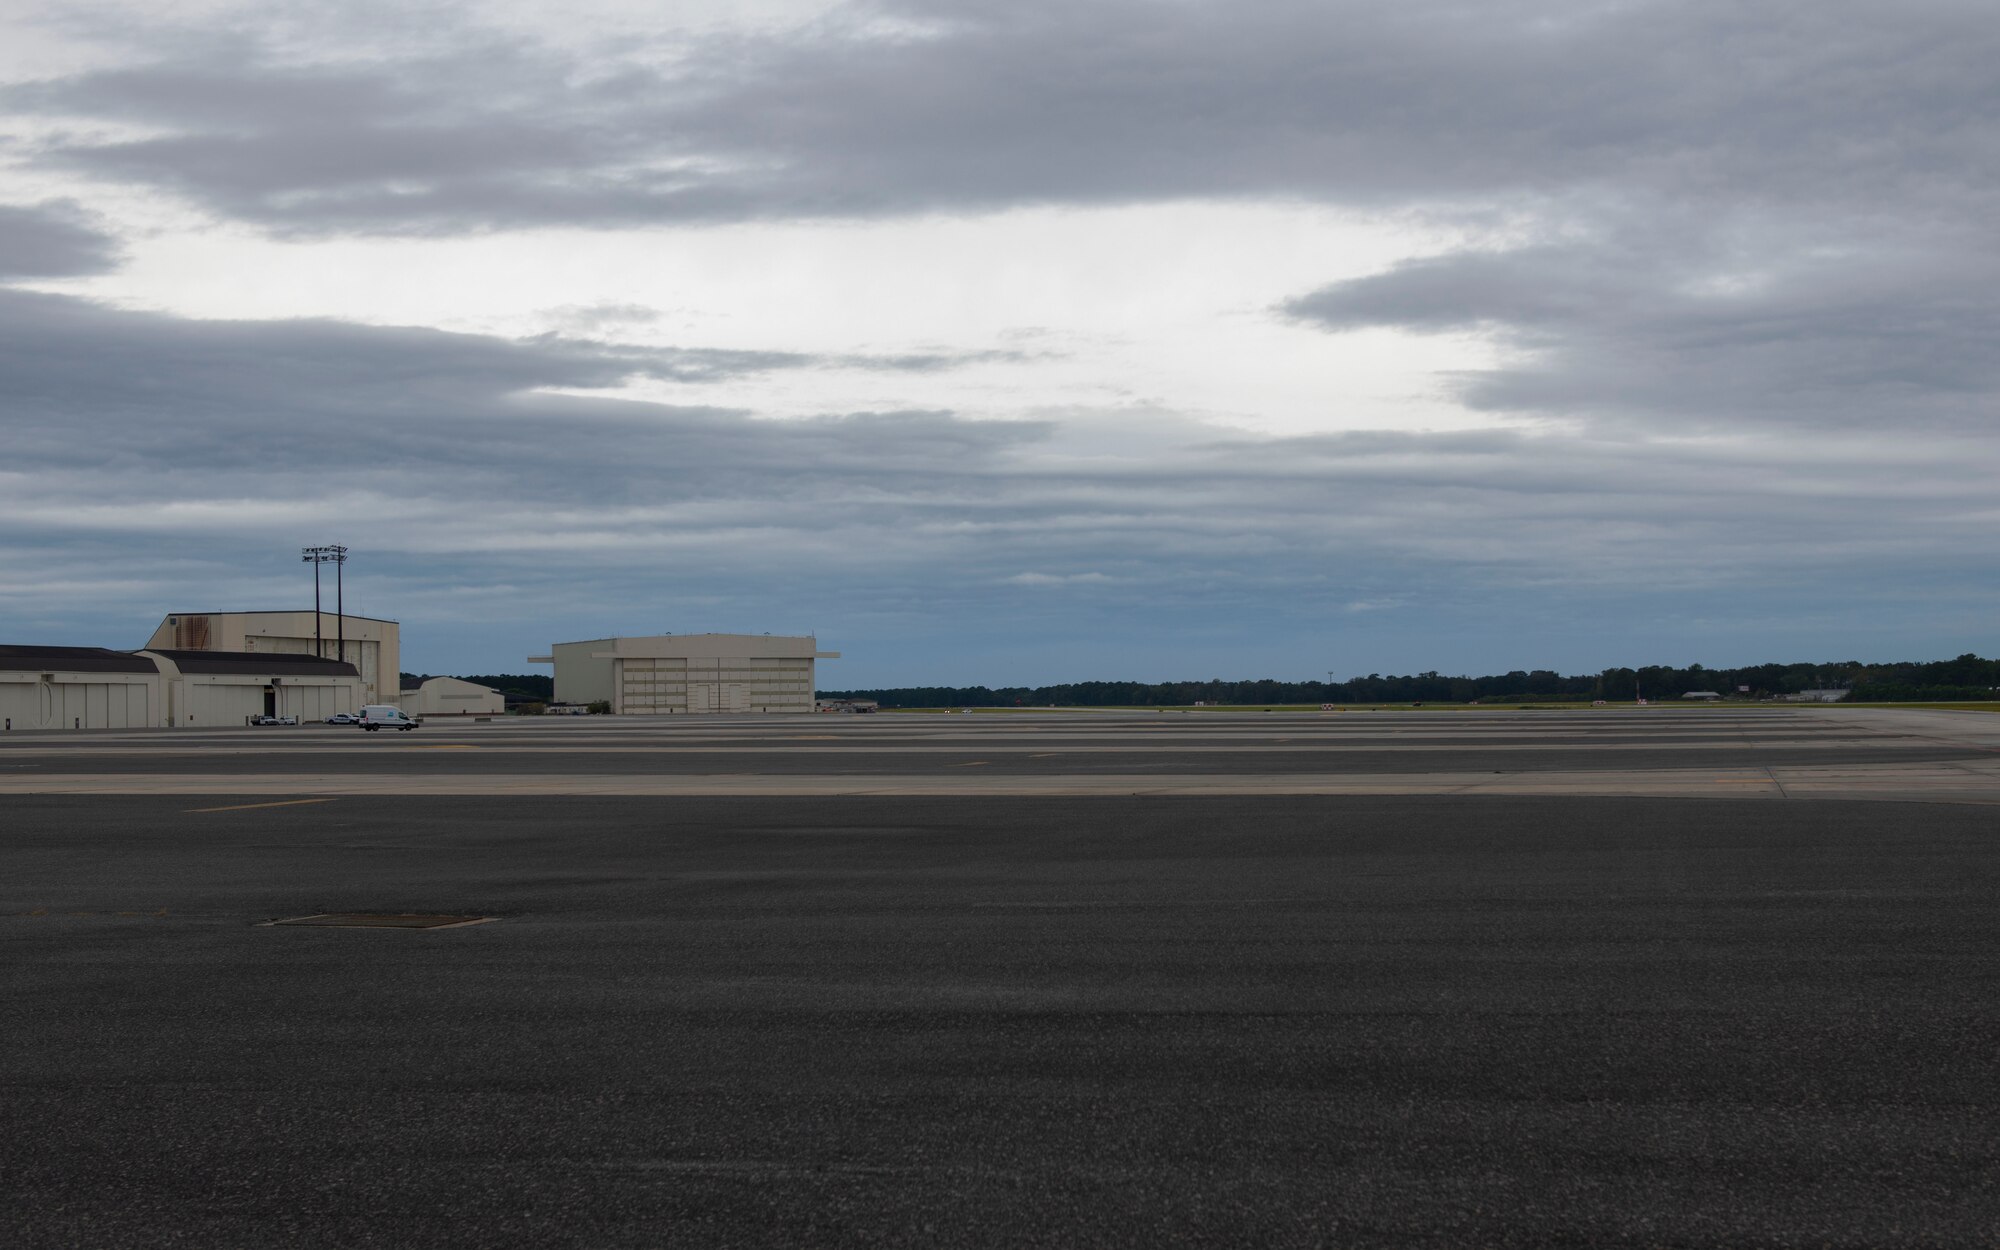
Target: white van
(384,716)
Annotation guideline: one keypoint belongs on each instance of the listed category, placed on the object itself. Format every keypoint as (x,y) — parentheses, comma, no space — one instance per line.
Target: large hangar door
(75,705)
(138,708)
(220,704)
(652,686)
(704,686)
(79,705)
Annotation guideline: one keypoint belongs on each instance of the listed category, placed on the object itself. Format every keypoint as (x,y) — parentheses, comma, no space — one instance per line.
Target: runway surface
(1686,752)
(740,990)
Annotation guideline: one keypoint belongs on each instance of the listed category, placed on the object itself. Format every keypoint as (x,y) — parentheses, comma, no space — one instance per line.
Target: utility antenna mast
(337,557)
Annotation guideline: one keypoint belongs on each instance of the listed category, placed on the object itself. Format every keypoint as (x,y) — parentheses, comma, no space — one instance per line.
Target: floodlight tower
(337,557)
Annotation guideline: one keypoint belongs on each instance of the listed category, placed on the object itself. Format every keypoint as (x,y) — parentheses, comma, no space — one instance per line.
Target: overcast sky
(1012,342)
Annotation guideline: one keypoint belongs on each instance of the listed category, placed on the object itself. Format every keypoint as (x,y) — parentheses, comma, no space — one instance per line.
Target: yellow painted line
(1045,755)
(971,764)
(244,807)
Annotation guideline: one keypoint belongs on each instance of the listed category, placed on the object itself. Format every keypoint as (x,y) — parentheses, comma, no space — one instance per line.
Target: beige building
(372,646)
(79,688)
(212,688)
(92,688)
(449,696)
(671,674)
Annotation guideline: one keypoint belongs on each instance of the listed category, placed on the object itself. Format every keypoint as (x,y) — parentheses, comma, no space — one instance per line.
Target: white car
(384,716)
(343,718)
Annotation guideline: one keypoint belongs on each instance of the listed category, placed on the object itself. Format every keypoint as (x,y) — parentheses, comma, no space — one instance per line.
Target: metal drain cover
(374,920)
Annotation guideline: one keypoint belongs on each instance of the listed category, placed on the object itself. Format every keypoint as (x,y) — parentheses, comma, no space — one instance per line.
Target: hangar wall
(372,645)
(582,674)
(680,674)
(450,696)
(228,687)
(211,700)
(77,688)
(78,701)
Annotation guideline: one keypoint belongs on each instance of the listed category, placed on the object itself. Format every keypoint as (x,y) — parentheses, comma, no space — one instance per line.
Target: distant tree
(1966,673)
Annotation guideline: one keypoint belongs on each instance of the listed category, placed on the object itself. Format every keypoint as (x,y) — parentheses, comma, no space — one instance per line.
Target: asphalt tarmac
(974,1019)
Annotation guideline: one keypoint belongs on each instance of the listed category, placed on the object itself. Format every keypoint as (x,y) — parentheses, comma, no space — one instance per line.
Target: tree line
(1967,677)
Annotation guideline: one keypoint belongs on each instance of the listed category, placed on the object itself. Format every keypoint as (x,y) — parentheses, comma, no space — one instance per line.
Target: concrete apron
(1976,781)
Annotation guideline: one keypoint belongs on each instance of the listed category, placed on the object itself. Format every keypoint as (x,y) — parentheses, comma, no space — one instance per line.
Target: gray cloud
(1688,336)
(52,240)
(1704,213)
(299,397)
(938,361)
(216,389)
(1707,214)
(591,319)
(1828,102)
(212,441)
(204,385)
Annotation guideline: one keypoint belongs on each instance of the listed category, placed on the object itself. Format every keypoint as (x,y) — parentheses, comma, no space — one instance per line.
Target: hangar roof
(352,616)
(15,659)
(253,662)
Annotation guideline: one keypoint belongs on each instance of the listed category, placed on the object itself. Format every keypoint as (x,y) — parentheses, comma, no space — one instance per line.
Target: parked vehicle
(343,718)
(384,716)
(274,720)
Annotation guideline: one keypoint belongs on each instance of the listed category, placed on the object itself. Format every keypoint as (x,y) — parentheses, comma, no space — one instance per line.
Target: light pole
(337,557)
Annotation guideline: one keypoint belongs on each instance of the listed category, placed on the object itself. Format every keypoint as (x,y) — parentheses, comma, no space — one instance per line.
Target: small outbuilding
(450,696)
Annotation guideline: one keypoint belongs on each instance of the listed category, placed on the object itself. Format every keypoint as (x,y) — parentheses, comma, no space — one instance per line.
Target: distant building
(847,705)
(371,645)
(230,687)
(449,696)
(676,674)
(1816,696)
(78,688)
(93,688)
(1703,695)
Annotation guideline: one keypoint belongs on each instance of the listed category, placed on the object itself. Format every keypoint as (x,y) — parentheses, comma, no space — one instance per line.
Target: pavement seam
(1772,773)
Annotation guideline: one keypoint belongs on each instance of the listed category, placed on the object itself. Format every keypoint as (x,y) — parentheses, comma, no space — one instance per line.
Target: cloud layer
(1736,262)
(216,444)
(51,240)
(925,106)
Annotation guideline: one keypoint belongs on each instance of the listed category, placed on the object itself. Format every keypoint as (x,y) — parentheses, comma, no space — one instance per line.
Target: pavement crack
(1772,773)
